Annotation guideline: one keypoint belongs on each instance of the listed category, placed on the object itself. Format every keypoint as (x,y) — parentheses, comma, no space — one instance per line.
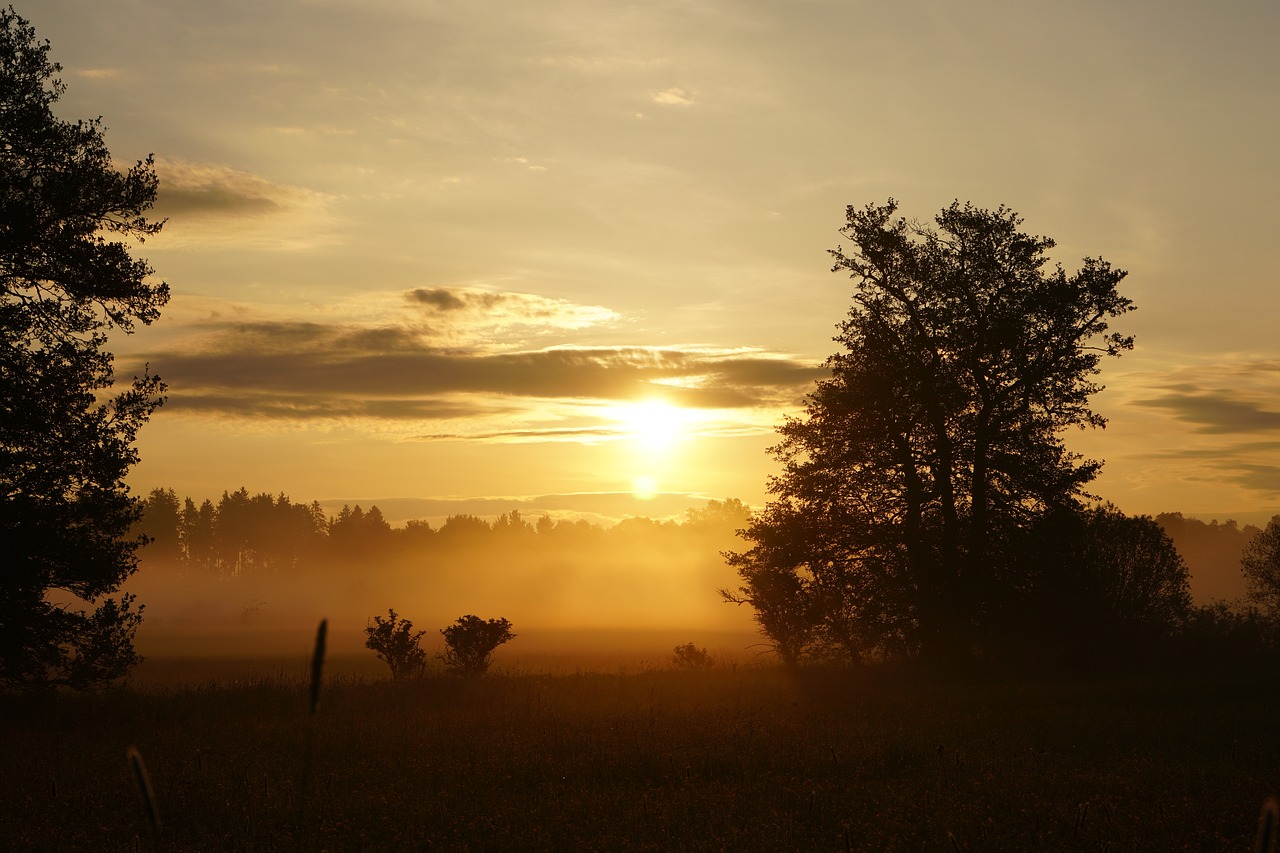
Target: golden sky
(575,252)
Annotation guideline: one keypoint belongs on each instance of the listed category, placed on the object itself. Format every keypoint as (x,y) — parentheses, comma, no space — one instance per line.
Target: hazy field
(738,758)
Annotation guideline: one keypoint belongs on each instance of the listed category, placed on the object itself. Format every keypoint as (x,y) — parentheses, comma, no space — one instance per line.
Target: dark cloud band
(311,370)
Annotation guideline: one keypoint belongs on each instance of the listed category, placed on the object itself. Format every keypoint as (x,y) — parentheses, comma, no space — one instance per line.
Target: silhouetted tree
(234,532)
(718,516)
(1087,586)
(471,640)
(66,428)
(1260,563)
(161,519)
(463,531)
(512,526)
(1220,634)
(938,434)
(690,656)
(355,532)
(396,644)
(196,534)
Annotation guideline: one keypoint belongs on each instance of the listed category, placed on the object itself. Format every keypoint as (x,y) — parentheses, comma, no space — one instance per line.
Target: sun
(654,424)
(644,488)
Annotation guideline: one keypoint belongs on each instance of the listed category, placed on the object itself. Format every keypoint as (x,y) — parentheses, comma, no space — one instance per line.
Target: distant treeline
(1211,550)
(244,534)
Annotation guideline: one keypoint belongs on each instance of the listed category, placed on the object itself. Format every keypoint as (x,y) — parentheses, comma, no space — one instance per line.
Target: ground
(735,758)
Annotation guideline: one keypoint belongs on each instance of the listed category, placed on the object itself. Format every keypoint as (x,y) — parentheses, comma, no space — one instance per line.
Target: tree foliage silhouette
(938,434)
(471,640)
(1090,585)
(1260,564)
(66,427)
(691,656)
(396,644)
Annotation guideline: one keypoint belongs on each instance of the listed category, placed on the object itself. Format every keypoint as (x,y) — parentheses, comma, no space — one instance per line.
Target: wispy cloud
(1231,423)
(673,97)
(1215,411)
(1228,397)
(99,73)
(213,203)
(205,189)
(475,306)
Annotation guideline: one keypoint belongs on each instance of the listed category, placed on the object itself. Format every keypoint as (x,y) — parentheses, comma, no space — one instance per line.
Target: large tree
(938,435)
(67,427)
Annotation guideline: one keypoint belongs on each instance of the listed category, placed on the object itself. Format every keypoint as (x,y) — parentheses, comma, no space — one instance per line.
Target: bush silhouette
(395,643)
(689,656)
(470,641)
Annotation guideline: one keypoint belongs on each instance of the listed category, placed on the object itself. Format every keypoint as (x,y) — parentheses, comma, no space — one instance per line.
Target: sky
(571,257)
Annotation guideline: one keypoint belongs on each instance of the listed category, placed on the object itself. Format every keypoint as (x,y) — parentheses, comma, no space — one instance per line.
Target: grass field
(740,758)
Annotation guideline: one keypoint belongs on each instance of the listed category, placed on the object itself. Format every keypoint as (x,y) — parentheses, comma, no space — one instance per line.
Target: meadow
(734,758)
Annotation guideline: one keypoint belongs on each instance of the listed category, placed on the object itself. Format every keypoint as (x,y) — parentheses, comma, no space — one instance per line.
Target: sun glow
(644,488)
(654,424)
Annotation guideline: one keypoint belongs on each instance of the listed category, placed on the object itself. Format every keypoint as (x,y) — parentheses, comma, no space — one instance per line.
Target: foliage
(471,640)
(396,644)
(243,534)
(781,594)
(937,436)
(1091,586)
(1219,634)
(1260,563)
(66,429)
(690,656)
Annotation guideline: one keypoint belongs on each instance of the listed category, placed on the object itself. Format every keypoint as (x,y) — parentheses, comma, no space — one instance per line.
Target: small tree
(470,641)
(396,644)
(1094,586)
(689,656)
(1260,563)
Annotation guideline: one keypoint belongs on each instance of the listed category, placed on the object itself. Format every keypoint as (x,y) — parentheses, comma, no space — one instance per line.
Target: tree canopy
(1260,564)
(470,641)
(937,441)
(67,427)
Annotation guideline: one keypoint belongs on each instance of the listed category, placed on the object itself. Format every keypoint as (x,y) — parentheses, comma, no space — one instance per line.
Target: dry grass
(745,759)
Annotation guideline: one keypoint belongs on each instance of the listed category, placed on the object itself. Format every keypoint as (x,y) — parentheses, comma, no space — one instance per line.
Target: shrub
(690,656)
(470,641)
(395,643)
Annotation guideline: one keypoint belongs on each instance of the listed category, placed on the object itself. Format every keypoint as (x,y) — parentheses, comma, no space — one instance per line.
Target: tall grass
(746,759)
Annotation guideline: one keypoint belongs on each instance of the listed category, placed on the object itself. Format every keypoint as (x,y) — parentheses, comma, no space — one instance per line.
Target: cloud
(215,204)
(524,161)
(1223,398)
(1259,478)
(201,189)
(99,73)
(304,407)
(673,97)
(522,435)
(601,63)
(304,371)
(1231,423)
(380,362)
(1215,411)
(458,304)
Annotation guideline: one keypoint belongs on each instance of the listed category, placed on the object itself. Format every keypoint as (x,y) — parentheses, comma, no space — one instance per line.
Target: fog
(574,592)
